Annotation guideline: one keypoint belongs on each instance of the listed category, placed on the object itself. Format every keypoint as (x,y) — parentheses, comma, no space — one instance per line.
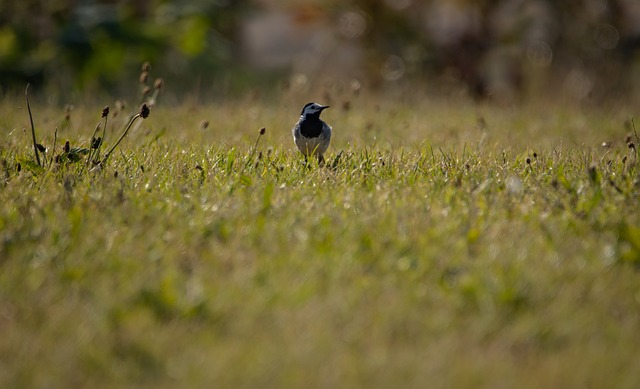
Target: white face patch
(312,109)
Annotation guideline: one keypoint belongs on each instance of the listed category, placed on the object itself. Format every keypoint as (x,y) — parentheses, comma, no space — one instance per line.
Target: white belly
(311,146)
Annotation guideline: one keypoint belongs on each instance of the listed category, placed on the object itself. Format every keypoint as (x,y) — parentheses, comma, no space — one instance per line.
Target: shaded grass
(432,252)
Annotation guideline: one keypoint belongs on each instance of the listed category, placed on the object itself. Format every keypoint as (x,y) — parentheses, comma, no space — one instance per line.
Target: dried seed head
(204,124)
(144,77)
(146,67)
(158,84)
(481,123)
(67,111)
(355,85)
(95,142)
(120,105)
(67,147)
(326,96)
(535,155)
(146,90)
(593,172)
(105,111)
(41,148)
(144,111)
(263,130)
(528,161)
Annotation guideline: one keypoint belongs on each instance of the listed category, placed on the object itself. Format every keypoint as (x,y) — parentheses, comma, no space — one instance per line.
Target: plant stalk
(126,130)
(33,130)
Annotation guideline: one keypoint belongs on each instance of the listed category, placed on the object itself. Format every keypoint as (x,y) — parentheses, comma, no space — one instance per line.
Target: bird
(312,135)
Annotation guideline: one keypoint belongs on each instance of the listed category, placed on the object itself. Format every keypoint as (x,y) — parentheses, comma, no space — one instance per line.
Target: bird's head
(313,109)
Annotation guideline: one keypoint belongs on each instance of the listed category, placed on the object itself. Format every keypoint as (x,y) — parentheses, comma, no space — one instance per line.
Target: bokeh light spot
(393,68)
(540,54)
(606,37)
(352,24)
(578,84)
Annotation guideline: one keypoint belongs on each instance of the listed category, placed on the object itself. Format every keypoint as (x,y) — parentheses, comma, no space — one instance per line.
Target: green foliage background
(79,45)
(93,44)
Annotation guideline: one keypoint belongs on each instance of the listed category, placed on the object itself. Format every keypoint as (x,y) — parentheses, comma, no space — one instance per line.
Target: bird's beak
(324,107)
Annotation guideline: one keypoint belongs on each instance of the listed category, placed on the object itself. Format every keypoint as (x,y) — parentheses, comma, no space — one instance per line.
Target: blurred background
(491,49)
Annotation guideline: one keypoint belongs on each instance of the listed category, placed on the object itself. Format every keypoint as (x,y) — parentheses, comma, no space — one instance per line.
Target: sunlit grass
(444,244)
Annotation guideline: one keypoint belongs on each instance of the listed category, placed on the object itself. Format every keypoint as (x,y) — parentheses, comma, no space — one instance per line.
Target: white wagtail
(312,135)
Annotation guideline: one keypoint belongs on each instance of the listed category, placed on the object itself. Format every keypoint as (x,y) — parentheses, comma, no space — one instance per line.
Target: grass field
(445,244)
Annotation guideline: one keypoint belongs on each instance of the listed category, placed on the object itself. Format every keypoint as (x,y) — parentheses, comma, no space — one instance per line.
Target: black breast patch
(311,127)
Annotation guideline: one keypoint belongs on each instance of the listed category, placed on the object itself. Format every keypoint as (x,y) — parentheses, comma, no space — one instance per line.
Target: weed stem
(91,152)
(124,133)
(33,130)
